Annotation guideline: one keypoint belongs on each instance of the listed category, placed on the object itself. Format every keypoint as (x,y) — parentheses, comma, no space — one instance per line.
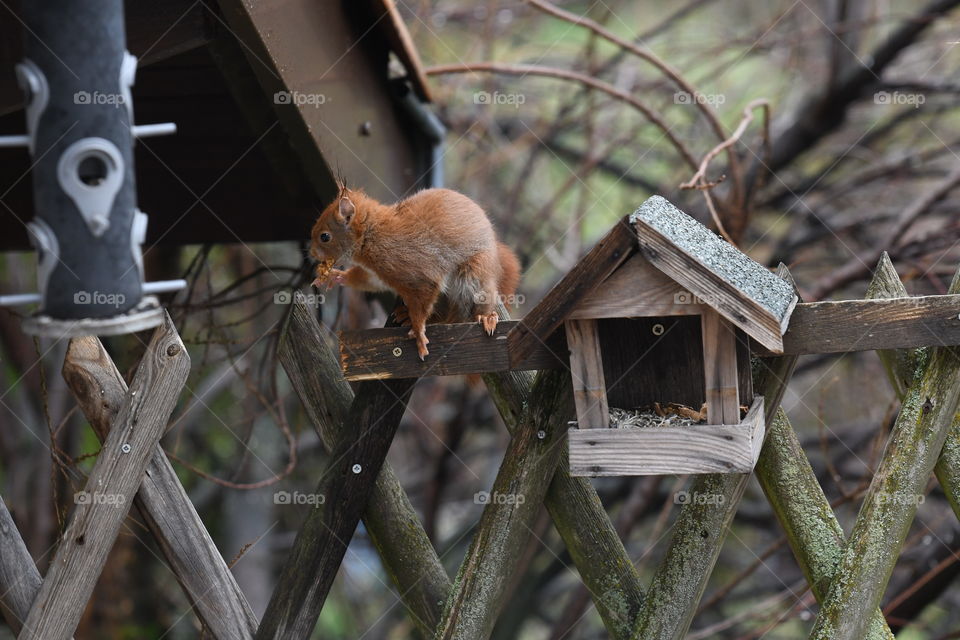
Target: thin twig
(565,74)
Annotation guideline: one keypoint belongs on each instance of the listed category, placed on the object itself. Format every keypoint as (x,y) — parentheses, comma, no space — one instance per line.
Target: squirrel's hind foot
(489,322)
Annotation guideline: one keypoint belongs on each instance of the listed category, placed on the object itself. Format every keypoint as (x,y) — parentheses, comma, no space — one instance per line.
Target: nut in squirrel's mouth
(322,271)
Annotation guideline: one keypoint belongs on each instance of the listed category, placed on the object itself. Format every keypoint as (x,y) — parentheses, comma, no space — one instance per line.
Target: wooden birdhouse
(660,353)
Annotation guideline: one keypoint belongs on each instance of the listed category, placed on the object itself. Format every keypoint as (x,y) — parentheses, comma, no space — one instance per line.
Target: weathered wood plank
(721,376)
(391,521)
(707,448)
(586,372)
(815,327)
(900,364)
(637,289)
(615,247)
(915,444)
(702,525)
(514,502)
(162,502)
(19,578)
(798,501)
(865,325)
(110,488)
(347,484)
(372,354)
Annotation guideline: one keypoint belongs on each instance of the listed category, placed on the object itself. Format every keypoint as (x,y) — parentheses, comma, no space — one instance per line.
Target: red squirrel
(435,242)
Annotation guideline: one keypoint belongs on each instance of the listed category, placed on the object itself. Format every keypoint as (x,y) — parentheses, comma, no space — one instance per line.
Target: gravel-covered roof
(716,254)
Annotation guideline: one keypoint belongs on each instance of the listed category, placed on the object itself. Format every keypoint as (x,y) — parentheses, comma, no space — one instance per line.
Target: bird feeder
(664,342)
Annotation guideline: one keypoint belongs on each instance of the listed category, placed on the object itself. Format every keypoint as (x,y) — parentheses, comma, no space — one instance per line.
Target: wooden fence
(846,576)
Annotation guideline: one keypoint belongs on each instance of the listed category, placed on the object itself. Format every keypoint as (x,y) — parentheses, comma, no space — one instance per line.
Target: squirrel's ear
(345,211)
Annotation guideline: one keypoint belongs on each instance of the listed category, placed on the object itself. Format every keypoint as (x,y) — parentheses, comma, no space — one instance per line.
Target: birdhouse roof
(718,274)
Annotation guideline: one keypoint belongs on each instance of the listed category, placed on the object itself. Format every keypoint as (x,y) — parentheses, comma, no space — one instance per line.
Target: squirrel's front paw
(334,277)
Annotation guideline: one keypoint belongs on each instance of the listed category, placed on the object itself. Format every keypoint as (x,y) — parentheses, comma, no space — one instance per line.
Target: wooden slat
(391,521)
(19,578)
(162,502)
(586,371)
(454,349)
(815,327)
(720,369)
(110,488)
(668,450)
(866,325)
(347,483)
(726,299)
(560,301)
(637,289)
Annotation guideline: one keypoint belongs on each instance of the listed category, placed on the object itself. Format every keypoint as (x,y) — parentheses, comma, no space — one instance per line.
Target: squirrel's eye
(324,237)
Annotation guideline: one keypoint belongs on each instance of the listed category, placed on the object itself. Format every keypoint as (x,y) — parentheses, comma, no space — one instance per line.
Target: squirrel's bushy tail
(509,270)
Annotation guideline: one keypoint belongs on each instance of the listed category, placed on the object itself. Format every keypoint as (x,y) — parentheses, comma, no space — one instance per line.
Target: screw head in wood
(357,468)
(397,351)
(658,329)
(173,350)
(126,448)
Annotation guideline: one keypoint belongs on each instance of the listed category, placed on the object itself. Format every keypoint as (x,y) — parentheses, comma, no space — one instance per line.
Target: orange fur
(436,242)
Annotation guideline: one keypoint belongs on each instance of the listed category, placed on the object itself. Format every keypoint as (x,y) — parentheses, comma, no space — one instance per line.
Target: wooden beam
(865,325)
(630,451)
(579,517)
(346,486)
(815,327)
(393,524)
(720,369)
(19,578)
(110,488)
(586,372)
(162,502)
(372,354)
(515,500)
(533,330)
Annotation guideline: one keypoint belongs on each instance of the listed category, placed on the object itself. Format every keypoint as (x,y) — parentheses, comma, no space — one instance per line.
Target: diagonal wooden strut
(391,521)
(915,444)
(346,485)
(110,488)
(162,502)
